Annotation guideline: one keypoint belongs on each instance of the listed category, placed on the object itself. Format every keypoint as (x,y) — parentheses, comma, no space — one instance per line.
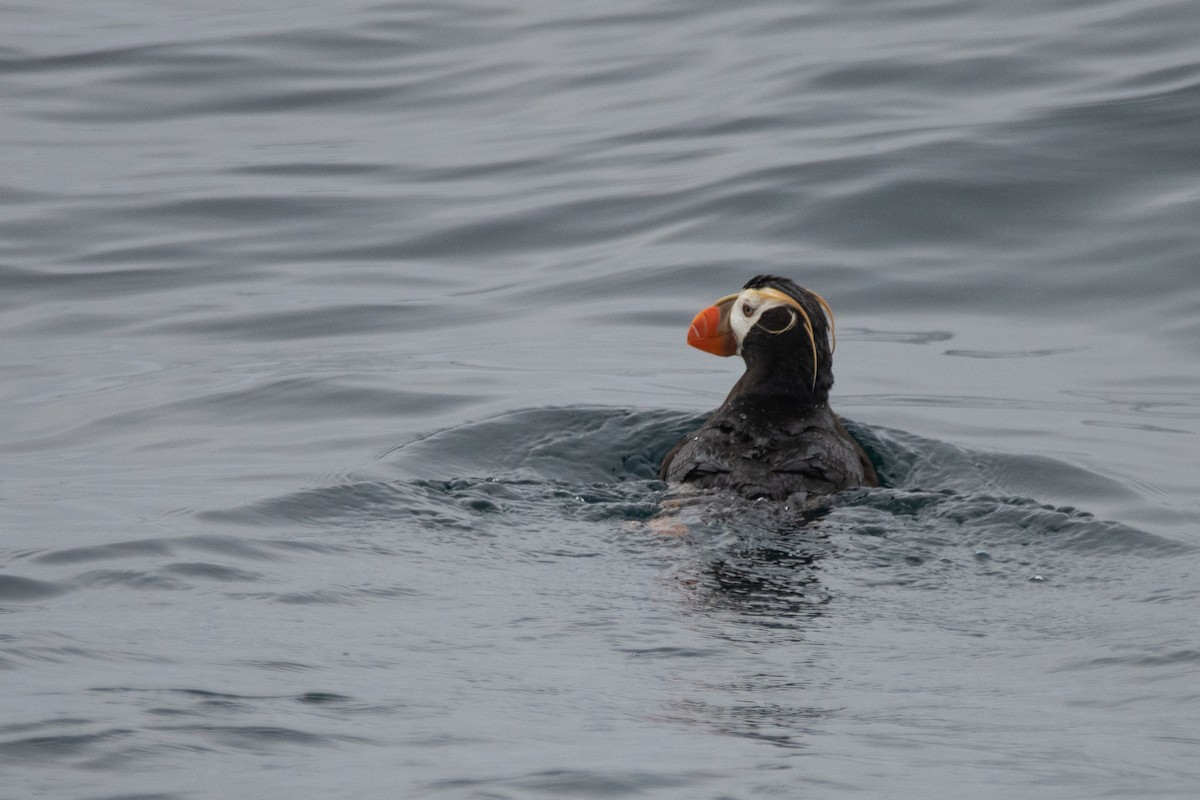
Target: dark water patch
(567,783)
(165,577)
(1010,353)
(308,170)
(53,748)
(474,170)
(192,703)
(564,444)
(322,698)
(1163,405)
(141,548)
(468,508)
(331,597)
(755,563)
(772,583)
(201,693)
(366,501)
(589,783)
(260,739)
(258,550)
(219,706)
(592,463)
(14,588)
(1187,659)
(1006,539)
(779,725)
(210,696)
(26,727)
(592,502)
(1019,519)
(670,652)
(914,464)
(281,666)
(107,57)
(1173,594)
(353,320)
(1135,426)
(213,572)
(951,515)
(129,578)
(75,324)
(53,649)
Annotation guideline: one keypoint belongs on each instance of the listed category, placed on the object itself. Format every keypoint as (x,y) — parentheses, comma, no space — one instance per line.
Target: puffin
(775,436)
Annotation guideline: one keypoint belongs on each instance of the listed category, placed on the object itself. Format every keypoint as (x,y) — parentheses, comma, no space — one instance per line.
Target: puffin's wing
(692,460)
(821,460)
(664,469)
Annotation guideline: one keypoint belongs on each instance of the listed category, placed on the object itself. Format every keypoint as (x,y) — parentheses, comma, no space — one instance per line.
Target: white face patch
(748,309)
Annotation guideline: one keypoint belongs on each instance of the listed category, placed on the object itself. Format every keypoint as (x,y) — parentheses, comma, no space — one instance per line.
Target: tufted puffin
(774,436)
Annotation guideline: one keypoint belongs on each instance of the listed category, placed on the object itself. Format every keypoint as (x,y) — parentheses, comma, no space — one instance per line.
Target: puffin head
(775,325)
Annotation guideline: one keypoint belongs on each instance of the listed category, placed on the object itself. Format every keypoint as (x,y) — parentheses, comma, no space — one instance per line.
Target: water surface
(341,344)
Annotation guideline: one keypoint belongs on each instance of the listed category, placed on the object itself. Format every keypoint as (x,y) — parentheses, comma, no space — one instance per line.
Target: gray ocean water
(339,344)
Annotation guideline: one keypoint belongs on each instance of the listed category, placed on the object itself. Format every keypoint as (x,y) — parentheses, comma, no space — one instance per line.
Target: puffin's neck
(779,386)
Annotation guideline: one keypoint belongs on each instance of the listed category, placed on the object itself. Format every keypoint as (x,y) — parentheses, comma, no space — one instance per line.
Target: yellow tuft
(829,315)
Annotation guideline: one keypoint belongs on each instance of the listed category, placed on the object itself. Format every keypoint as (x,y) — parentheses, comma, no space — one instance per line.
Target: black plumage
(775,435)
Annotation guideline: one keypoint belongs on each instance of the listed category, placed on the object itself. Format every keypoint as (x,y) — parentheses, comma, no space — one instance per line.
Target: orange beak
(710,329)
